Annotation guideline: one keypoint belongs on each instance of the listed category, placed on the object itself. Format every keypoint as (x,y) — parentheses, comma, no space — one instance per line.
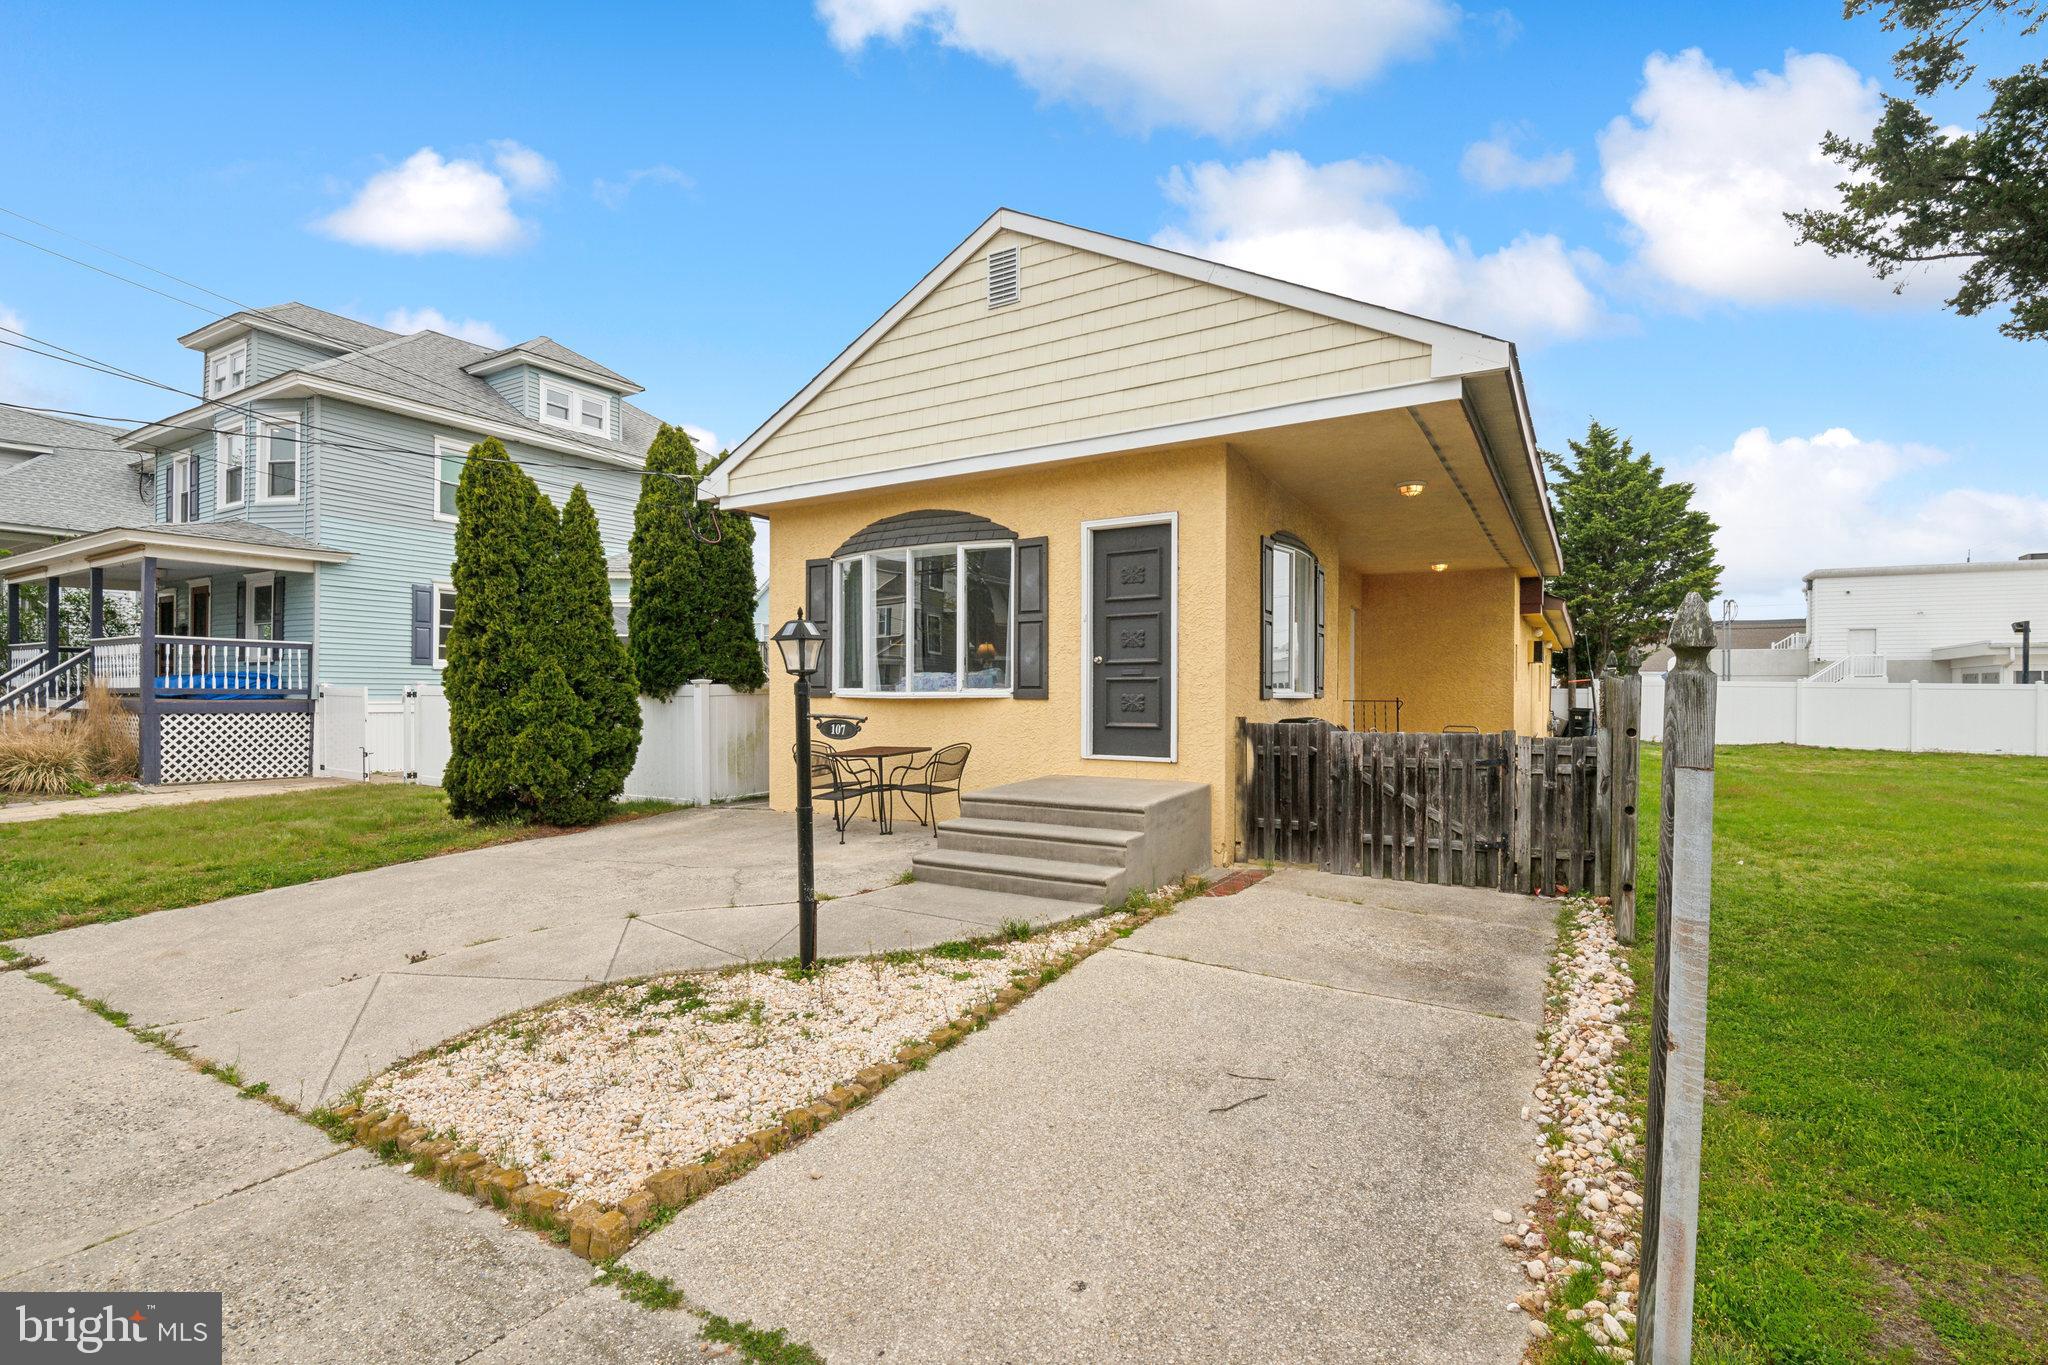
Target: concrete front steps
(1091,840)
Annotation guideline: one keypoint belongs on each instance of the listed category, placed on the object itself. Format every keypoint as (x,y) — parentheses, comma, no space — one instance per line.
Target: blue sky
(714,200)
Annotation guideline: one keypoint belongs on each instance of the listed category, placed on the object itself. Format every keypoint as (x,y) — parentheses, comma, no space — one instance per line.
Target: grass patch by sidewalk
(1877,1056)
(81,869)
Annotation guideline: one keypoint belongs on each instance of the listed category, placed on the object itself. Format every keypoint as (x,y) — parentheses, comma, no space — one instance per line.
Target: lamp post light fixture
(1409,490)
(803,646)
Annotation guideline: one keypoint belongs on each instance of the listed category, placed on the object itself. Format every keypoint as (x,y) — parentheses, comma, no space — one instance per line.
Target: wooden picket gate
(1494,810)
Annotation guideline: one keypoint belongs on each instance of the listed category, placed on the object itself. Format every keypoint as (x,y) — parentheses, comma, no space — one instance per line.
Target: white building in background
(1946,623)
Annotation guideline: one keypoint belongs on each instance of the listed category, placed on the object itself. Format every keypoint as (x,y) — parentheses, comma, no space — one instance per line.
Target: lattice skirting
(216,746)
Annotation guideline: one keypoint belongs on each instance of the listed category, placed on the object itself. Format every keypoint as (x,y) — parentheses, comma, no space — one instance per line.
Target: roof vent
(1002,277)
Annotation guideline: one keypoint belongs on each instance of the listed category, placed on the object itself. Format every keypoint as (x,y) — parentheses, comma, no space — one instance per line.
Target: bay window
(933,619)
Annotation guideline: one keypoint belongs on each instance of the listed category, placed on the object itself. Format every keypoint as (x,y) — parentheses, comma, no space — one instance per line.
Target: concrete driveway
(1271,1126)
(313,988)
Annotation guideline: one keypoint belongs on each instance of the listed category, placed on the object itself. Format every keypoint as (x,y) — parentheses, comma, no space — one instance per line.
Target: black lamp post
(2025,630)
(803,646)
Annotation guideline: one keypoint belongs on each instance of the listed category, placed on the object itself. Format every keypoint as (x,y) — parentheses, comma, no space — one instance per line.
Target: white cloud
(1217,66)
(410,320)
(613,194)
(1708,164)
(1495,164)
(1332,227)
(705,440)
(426,203)
(1787,507)
(527,171)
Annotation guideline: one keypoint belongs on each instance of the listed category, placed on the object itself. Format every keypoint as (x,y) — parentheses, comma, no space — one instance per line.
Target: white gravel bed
(593,1095)
(1591,1143)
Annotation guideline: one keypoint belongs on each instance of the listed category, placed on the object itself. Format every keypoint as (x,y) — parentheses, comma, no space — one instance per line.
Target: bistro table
(878,755)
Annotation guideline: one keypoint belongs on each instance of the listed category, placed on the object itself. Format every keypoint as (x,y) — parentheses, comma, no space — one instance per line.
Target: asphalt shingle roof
(82,483)
(551,349)
(429,367)
(340,330)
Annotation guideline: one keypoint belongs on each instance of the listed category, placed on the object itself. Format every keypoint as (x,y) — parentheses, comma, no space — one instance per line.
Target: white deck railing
(1796,640)
(1853,668)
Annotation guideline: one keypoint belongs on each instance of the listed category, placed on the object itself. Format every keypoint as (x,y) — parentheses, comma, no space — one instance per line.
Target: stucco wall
(1016,739)
(1453,647)
(1446,643)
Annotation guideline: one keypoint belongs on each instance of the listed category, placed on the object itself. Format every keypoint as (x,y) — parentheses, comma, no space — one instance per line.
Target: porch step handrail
(58,688)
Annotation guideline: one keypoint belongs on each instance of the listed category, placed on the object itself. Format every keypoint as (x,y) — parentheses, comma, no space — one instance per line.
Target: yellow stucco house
(1083,502)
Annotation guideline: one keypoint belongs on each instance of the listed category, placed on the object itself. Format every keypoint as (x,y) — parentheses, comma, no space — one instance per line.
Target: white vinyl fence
(709,743)
(1914,717)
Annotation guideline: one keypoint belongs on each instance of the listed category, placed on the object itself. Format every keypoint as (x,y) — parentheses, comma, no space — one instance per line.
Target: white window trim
(578,394)
(440,650)
(249,585)
(910,630)
(228,354)
(265,424)
(223,440)
(445,447)
(183,472)
(1307,637)
(1088,530)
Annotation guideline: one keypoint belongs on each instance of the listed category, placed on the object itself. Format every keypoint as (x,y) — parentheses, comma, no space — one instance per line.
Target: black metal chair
(939,775)
(834,779)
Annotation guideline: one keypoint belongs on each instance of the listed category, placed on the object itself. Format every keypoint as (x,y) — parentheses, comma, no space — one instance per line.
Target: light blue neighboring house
(297,528)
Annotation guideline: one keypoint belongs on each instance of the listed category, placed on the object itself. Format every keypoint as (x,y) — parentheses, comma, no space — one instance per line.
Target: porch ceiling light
(1411,489)
(1438,568)
(802,645)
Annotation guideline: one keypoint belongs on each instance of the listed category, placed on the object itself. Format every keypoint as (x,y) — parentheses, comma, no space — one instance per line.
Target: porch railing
(1851,667)
(1796,640)
(205,666)
(55,689)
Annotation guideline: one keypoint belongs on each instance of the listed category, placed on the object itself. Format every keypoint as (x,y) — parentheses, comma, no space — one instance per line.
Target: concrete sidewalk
(128,1170)
(1270,1126)
(313,988)
(16,812)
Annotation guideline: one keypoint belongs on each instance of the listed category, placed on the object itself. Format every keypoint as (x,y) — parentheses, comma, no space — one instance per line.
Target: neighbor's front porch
(218,669)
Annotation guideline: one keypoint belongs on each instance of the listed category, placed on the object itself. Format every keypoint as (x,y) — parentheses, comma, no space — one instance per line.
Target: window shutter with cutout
(818,607)
(423,623)
(1032,665)
(1319,630)
(1265,617)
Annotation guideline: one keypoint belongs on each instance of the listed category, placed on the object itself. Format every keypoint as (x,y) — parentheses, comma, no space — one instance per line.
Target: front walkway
(315,987)
(1270,1126)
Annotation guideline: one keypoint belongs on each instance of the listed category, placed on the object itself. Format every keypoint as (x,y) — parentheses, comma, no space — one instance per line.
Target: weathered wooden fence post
(1678,1024)
(1625,728)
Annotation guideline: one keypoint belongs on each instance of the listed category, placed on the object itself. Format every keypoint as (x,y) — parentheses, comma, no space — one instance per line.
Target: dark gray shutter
(1265,617)
(1033,595)
(241,609)
(423,623)
(1319,630)
(818,606)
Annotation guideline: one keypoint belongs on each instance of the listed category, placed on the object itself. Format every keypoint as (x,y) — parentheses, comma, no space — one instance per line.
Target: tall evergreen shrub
(664,631)
(594,660)
(732,651)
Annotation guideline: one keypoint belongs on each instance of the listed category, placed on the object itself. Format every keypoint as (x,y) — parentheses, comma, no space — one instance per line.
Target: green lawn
(77,869)
(1876,1168)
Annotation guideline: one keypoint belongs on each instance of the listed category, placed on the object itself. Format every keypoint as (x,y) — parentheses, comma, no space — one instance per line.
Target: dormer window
(564,405)
(227,369)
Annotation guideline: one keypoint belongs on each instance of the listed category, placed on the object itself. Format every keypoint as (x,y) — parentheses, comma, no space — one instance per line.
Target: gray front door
(1131,657)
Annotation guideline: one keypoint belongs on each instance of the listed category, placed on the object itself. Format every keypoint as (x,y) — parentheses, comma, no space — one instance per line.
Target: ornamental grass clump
(40,757)
(106,734)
